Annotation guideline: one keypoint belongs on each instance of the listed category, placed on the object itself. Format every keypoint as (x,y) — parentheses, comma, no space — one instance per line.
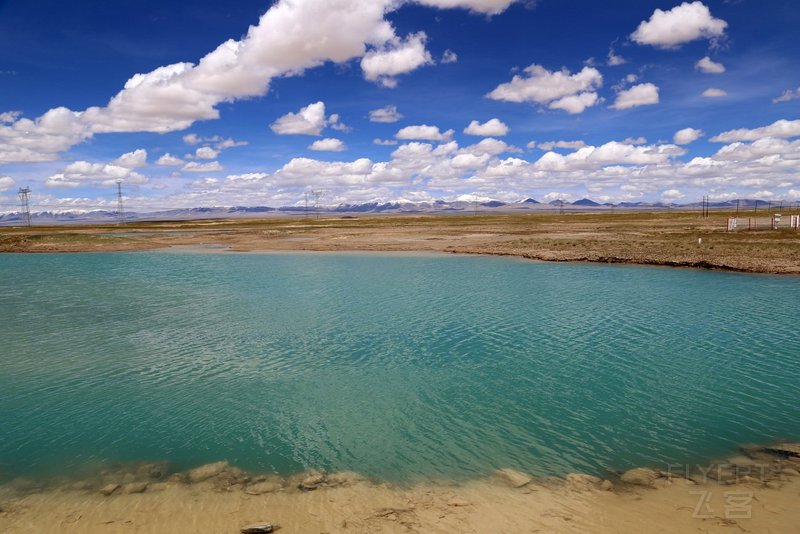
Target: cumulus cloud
(206,152)
(395,57)
(644,94)
(449,57)
(6,183)
(385,114)
(614,59)
(211,166)
(687,135)
(289,38)
(490,128)
(328,145)
(557,90)
(550,145)
(681,24)
(787,96)
(169,160)
(672,194)
(85,172)
(779,129)
(384,142)
(713,92)
(709,67)
(423,132)
(488,7)
(310,120)
(9,116)
(132,160)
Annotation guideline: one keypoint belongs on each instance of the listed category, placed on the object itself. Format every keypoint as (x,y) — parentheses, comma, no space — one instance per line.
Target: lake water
(397,366)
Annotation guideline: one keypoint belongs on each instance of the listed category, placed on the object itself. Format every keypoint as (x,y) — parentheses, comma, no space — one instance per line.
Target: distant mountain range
(437,206)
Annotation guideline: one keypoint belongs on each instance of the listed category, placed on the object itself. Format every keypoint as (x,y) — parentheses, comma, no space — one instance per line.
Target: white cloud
(780,129)
(713,92)
(310,120)
(423,132)
(384,142)
(105,174)
(192,139)
(290,37)
(575,103)
(206,152)
(6,183)
(328,145)
(614,60)
(385,114)
(449,57)
(132,160)
(558,90)
(550,145)
(204,184)
(644,94)
(169,160)
(488,7)
(395,57)
(490,146)
(672,194)
(211,166)
(787,96)
(635,141)
(9,116)
(709,67)
(490,128)
(681,24)
(229,143)
(687,135)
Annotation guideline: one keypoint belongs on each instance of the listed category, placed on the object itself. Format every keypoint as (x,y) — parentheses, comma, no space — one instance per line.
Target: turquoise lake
(401,367)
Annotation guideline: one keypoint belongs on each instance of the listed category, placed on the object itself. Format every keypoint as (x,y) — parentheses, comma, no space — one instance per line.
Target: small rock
(607,485)
(109,489)
(774,485)
(263,487)
(790,472)
(515,478)
(204,472)
(312,481)
(784,449)
(456,503)
(155,470)
(258,528)
(134,487)
(128,478)
(640,476)
(81,485)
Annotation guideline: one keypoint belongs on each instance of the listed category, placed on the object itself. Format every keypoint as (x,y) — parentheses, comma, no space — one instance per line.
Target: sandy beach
(681,239)
(742,494)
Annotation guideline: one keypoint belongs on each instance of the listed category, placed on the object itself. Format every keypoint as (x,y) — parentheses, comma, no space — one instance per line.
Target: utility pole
(737,208)
(24,200)
(120,208)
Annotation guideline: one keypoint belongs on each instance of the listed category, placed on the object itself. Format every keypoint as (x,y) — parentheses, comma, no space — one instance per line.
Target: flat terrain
(660,238)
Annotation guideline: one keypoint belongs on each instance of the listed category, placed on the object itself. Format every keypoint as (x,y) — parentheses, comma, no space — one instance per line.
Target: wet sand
(680,239)
(221,499)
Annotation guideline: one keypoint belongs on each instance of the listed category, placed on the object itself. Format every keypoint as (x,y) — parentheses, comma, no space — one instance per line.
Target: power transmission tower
(120,209)
(317,195)
(24,199)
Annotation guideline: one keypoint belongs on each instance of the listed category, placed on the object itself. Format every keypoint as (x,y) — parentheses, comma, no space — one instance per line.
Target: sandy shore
(663,238)
(755,493)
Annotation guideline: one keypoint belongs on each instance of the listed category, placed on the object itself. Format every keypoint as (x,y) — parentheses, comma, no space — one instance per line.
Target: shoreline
(218,497)
(654,239)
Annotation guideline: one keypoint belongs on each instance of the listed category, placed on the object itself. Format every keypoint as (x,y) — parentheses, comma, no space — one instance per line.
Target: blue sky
(255,103)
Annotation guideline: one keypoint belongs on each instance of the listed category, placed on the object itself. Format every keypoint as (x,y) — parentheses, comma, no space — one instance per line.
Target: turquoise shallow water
(400,367)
